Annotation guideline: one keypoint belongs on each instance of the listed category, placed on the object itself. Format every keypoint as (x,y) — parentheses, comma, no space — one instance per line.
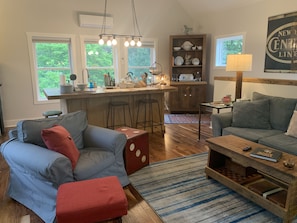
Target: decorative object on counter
(195,61)
(188,59)
(62,79)
(66,89)
(111,38)
(187,29)
(155,69)
(239,63)
(187,45)
(81,86)
(73,78)
(178,61)
(227,99)
(108,80)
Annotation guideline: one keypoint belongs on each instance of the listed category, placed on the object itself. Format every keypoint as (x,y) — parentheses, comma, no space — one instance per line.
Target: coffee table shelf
(234,168)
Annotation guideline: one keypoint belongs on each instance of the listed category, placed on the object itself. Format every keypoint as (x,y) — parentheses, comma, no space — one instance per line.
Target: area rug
(183,119)
(179,192)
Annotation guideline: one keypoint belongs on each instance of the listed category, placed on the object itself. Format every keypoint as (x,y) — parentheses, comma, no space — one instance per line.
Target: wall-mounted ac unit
(95,21)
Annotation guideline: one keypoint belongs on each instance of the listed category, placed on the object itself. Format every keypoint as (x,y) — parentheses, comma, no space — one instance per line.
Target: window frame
(219,40)
(31,39)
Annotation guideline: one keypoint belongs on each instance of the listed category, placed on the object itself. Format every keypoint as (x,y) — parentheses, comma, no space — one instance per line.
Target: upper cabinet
(187,58)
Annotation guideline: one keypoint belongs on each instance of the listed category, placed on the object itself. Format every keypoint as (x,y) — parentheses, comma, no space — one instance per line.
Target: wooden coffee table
(236,169)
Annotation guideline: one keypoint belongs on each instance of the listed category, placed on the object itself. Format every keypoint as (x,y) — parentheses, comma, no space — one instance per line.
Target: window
(232,44)
(141,58)
(116,60)
(50,57)
(99,61)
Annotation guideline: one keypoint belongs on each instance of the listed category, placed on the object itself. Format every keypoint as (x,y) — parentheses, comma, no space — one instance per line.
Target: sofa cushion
(91,162)
(281,142)
(29,131)
(281,110)
(250,134)
(292,129)
(59,139)
(251,114)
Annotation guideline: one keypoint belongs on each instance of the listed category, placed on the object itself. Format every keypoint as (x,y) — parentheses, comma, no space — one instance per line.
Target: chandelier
(130,40)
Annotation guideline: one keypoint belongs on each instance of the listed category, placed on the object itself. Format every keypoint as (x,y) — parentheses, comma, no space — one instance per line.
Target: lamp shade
(239,62)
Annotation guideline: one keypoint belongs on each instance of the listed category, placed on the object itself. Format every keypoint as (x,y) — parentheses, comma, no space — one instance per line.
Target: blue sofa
(264,120)
(36,172)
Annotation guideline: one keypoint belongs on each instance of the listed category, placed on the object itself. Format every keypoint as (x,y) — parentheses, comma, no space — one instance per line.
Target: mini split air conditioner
(95,21)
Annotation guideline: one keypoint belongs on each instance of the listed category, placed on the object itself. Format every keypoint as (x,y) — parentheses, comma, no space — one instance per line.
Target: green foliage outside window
(52,60)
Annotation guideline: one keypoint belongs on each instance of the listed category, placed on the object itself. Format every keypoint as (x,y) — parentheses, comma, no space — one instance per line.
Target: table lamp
(239,63)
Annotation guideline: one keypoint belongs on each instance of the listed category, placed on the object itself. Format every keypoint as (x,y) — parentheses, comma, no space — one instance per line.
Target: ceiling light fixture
(130,40)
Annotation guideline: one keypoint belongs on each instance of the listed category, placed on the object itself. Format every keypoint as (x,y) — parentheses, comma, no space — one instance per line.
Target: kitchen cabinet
(187,72)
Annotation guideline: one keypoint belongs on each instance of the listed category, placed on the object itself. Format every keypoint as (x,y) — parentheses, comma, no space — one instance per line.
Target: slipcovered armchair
(36,172)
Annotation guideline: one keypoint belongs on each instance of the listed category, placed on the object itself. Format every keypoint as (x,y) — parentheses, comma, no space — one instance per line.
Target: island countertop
(96,102)
(54,93)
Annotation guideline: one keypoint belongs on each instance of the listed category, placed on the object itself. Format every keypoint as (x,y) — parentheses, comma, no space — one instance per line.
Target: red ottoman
(90,201)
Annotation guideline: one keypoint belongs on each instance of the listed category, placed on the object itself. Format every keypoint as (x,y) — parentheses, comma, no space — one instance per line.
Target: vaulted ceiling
(194,7)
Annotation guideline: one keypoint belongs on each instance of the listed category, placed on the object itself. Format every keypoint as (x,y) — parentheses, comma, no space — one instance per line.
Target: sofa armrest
(103,138)
(38,162)
(219,122)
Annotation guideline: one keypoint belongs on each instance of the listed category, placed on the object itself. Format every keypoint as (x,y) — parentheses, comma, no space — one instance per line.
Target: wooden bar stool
(148,117)
(114,106)
(51,113)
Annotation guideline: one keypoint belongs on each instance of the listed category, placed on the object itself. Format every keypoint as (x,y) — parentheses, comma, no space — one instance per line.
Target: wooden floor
(179,140)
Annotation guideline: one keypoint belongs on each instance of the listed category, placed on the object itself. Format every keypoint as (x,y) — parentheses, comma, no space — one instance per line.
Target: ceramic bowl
(176,48)
(81,86)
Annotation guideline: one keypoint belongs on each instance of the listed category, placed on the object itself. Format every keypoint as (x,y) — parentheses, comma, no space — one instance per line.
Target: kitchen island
(95,101)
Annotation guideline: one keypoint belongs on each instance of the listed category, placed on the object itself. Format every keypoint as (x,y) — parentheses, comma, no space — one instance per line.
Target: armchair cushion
(59,139)
(29,131)
(251,114)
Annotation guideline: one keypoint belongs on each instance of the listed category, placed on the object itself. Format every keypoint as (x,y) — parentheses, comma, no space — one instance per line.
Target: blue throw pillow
(251,114)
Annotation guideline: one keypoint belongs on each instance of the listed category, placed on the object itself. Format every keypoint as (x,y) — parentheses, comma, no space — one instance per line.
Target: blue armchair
(36,172)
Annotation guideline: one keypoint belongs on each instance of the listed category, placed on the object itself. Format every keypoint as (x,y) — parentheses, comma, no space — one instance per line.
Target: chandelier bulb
(139,43)
(132,42)
(108,43)
(126,43)
(101,41)
(114,41)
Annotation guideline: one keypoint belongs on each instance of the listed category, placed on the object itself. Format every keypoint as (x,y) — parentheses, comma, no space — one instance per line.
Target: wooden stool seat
(90,201)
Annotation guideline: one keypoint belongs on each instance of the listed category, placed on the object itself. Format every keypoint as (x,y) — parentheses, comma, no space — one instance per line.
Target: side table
(136,153)
(213,105)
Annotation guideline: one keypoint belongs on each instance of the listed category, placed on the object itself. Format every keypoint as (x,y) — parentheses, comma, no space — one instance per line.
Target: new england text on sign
(281,45)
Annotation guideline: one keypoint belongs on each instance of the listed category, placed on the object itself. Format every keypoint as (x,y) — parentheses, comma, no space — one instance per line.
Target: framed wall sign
(281,44)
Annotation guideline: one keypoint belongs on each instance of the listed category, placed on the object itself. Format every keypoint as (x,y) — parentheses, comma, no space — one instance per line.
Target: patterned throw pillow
(59,139)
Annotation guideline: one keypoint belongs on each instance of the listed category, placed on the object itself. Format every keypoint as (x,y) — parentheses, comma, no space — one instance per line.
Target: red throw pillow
(59,139)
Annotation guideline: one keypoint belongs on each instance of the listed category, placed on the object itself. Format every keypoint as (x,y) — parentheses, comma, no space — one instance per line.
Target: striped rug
(179,192)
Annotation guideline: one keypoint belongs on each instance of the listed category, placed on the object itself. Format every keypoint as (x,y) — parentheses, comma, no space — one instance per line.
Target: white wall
(252,20)
(157,19)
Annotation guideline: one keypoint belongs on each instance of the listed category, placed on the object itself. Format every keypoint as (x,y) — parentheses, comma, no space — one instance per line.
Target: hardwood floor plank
(179,140)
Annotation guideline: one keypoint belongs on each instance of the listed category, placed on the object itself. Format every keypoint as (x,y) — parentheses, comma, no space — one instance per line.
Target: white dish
(195,61)
(178,61)
(186,77)
(187,45)
(176,48)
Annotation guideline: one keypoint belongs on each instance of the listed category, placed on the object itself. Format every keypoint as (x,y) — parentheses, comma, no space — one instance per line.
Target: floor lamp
(239,63)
